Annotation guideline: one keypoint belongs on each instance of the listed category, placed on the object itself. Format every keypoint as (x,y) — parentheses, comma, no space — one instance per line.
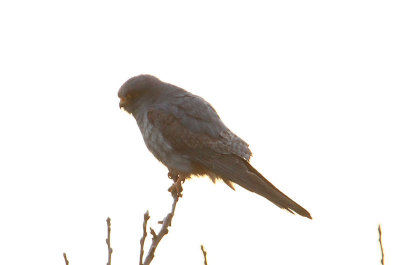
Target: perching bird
(185,133)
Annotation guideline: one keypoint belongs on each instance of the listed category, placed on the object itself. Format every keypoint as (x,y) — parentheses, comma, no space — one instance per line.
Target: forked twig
(156,236)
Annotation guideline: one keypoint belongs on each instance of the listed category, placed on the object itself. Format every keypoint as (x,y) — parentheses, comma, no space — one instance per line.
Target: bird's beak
(122,102)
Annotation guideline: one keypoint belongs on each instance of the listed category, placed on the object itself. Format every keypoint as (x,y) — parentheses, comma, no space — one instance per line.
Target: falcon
(185,133)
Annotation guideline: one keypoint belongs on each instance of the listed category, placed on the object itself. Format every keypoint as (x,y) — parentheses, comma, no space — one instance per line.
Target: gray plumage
(185,133)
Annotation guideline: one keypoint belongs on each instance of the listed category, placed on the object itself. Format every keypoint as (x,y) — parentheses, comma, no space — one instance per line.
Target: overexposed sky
(312,86)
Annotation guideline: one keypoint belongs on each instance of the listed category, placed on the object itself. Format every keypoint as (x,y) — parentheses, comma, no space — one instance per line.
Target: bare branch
(153,233)
(145,219)
(163,231)
(65,258)
(380,243)
(204,254)
(108,240)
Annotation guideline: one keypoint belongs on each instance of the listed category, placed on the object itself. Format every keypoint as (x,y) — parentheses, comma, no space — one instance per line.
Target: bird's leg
(173,176)
(176,188)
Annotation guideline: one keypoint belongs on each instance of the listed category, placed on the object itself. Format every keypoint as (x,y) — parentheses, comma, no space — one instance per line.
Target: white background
(312,86)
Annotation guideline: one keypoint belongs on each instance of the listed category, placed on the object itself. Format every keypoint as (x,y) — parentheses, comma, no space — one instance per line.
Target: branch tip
(204,254)
(380,243)
(65,258)
(108,240)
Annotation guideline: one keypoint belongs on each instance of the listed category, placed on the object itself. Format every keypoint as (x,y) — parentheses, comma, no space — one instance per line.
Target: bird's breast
(161,148)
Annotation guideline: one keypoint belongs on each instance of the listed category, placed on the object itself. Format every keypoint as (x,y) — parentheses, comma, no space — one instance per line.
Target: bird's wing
(190,123)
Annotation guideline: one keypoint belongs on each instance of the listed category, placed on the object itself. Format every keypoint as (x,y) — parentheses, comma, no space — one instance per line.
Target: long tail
(235,169)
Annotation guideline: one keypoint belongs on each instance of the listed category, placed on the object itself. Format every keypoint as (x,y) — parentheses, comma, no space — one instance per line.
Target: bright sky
(312,86)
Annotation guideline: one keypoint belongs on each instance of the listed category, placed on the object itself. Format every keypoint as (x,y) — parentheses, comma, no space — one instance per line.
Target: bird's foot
(176,188)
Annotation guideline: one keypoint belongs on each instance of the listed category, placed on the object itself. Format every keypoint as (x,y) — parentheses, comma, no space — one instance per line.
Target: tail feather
(239,171)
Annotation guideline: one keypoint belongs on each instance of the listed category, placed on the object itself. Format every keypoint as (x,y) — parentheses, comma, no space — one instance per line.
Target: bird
(185,133)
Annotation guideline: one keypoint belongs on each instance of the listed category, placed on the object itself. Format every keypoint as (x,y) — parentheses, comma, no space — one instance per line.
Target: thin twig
(146,218)
(204,254)
(163,231)
(65,258)
(380,243)
(153,233)
(108,240)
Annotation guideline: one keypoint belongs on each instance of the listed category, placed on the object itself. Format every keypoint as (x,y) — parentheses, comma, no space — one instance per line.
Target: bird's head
(136,89)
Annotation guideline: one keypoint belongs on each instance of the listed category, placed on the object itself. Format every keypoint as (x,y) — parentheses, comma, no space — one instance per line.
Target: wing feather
(186,135)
